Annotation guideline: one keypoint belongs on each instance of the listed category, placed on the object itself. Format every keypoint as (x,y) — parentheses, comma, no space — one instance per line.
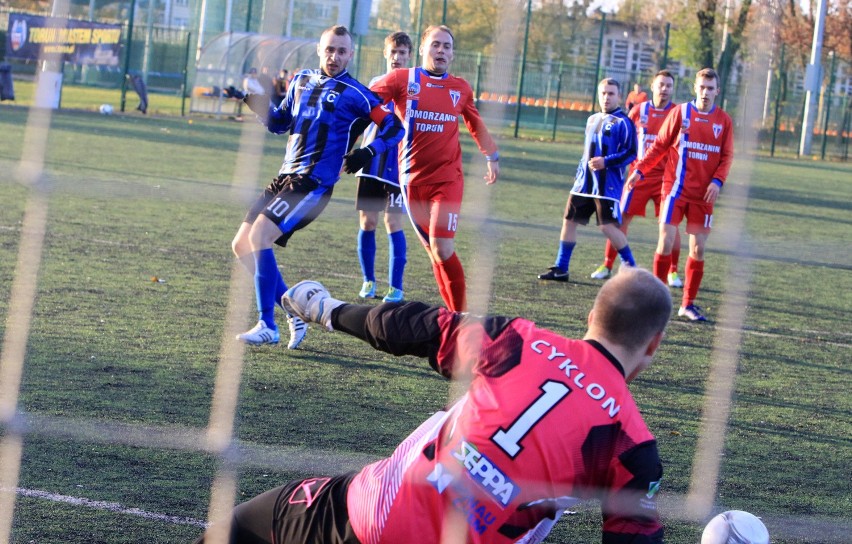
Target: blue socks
(396,264)
(367,256)
(269,286)
(627,255)
(367,253)
(563,258)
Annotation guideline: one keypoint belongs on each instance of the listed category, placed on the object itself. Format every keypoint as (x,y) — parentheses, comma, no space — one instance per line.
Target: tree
(556,30)
(705,13)
(475,23)
(734,42)
(797,29)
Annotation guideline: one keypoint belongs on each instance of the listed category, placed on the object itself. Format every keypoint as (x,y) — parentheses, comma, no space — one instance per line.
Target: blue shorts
(291,202)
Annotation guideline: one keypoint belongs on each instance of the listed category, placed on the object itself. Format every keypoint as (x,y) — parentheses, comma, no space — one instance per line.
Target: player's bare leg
(241,247)
(269,287)
(604,271)
(618,238)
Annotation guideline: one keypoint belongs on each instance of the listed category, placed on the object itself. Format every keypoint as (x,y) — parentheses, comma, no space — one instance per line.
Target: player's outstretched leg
(311,301)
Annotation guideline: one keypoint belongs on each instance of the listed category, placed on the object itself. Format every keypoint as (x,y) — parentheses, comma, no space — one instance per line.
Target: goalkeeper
(546,422)
(324,112)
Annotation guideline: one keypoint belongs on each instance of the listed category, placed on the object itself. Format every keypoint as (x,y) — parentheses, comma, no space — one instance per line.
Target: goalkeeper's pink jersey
(429,107)
(545,423)
(699,147)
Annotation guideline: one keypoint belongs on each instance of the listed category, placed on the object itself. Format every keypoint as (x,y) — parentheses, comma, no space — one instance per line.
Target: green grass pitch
(119,371)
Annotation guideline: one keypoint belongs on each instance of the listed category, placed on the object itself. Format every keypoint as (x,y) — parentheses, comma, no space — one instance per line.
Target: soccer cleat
(692,312)
(393,295)
(259,334)
(368,290)
(554,274)
(674,280)
(601,273)
(310,301)
(298,330)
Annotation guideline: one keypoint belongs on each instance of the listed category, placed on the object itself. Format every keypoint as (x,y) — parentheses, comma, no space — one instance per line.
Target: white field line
(109,507)
(671,508)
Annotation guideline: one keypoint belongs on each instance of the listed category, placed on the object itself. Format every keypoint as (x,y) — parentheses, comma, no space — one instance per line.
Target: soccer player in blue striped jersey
(378,190)
(609,148)
(324,112)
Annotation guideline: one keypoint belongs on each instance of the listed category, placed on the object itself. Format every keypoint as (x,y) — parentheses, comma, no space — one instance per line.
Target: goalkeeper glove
(355,160)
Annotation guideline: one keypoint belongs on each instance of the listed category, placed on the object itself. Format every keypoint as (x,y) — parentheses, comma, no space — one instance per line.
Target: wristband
(493,158)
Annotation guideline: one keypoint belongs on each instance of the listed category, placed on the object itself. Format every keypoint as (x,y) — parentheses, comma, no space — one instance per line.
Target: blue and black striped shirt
(324,116)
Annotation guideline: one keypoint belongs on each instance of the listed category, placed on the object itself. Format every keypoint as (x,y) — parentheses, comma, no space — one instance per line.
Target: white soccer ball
(105,109)
(735,527)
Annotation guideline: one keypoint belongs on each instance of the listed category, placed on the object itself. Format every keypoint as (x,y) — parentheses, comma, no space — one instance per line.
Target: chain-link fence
(555,97)
(784,106)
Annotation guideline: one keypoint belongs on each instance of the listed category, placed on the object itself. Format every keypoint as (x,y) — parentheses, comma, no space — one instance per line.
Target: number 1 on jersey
(509,439)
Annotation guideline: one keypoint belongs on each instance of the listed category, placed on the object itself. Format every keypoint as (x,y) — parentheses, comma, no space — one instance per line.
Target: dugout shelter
(225,59)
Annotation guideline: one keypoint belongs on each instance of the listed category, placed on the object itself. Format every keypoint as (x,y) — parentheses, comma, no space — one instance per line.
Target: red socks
(694,274)
(610,253)
(661,266)
(675,255)
(450,277)
(439,280)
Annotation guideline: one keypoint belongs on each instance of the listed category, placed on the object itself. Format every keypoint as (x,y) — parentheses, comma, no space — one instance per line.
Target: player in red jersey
(697,139)
(429,101)
(647,116)
(635,97)
(546,422)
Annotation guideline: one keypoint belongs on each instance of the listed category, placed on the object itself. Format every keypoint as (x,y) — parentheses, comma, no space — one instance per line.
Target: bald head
(631,309)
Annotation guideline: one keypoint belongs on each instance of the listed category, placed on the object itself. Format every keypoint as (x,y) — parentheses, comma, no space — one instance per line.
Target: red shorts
(634,202)
(434,209)
(699,215)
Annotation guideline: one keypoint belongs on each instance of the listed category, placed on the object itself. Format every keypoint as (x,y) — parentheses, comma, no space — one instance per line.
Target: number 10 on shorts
(452,222)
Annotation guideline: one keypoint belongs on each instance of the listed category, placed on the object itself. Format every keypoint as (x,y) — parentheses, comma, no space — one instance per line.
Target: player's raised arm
(277,118)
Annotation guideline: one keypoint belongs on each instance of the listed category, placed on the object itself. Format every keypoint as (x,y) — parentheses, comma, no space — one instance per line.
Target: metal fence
(555,98)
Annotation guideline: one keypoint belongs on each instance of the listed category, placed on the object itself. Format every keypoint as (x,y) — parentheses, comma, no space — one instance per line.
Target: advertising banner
(77,42)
